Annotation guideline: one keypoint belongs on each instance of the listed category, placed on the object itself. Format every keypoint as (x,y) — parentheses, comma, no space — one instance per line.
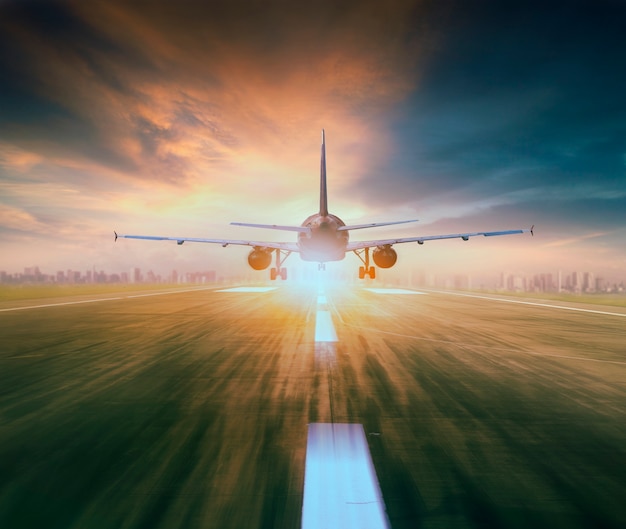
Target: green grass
(613,300)
(25,292)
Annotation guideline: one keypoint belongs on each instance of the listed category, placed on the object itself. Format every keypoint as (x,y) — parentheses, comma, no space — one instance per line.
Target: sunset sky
(176,118)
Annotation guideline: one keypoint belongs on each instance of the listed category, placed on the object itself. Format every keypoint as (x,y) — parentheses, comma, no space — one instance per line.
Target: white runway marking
(324,328)
(393,291)
(59,304)
(103,299)
(340,485)
(321,300)
(247,289)
(548,305)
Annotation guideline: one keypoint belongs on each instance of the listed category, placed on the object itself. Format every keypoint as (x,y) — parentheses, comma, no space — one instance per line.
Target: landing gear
(278,271)
(366,270)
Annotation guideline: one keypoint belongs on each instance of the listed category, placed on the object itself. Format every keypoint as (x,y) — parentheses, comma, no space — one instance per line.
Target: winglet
(323,193)
(115,235)
(532,230)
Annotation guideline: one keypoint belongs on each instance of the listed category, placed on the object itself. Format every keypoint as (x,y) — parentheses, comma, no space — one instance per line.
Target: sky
(177,118)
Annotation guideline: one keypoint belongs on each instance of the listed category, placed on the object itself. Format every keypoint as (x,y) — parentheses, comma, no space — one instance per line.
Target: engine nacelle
(259,259)
(385,256)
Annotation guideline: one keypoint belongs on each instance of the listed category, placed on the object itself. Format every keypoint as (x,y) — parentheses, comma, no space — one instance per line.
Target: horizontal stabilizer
(301,229)
(373,225)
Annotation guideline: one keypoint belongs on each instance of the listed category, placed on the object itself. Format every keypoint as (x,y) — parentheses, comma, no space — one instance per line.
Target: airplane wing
(285,246)
(359,245)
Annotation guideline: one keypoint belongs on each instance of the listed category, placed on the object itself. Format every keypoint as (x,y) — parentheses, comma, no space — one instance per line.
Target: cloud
(575,240)
(16,219)
(150,93)
(187,115)
(148,120)
(15,159)
(510,99)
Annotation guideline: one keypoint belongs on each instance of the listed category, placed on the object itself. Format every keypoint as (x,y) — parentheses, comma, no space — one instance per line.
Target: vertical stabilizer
(323,194)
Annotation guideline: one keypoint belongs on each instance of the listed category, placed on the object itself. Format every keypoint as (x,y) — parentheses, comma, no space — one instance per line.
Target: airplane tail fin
(323,193)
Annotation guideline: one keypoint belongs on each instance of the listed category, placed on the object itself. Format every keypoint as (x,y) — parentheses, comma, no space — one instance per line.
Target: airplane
(322,238)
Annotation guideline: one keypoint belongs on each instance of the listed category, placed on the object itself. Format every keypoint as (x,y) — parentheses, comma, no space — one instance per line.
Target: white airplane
(323,237)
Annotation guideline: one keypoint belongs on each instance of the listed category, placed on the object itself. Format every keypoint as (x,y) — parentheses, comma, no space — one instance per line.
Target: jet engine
(259,259)
(385,256)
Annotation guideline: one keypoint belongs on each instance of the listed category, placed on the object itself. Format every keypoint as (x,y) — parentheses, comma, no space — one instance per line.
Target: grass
(613,300)
(26,292)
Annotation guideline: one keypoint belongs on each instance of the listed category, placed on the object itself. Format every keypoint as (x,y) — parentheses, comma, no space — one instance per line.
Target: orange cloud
(180,124)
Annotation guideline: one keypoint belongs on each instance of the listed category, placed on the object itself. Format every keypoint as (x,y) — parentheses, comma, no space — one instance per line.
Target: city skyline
(576,282)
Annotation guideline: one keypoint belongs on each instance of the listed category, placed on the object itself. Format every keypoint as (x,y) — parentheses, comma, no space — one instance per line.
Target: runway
(193,408)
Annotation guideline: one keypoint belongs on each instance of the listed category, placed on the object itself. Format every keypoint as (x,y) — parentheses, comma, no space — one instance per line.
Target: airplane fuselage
(323,242)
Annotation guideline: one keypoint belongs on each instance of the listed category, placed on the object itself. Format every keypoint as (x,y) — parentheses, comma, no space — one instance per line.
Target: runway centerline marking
(393,291)
(341,489)
(548,305)
(324,328)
